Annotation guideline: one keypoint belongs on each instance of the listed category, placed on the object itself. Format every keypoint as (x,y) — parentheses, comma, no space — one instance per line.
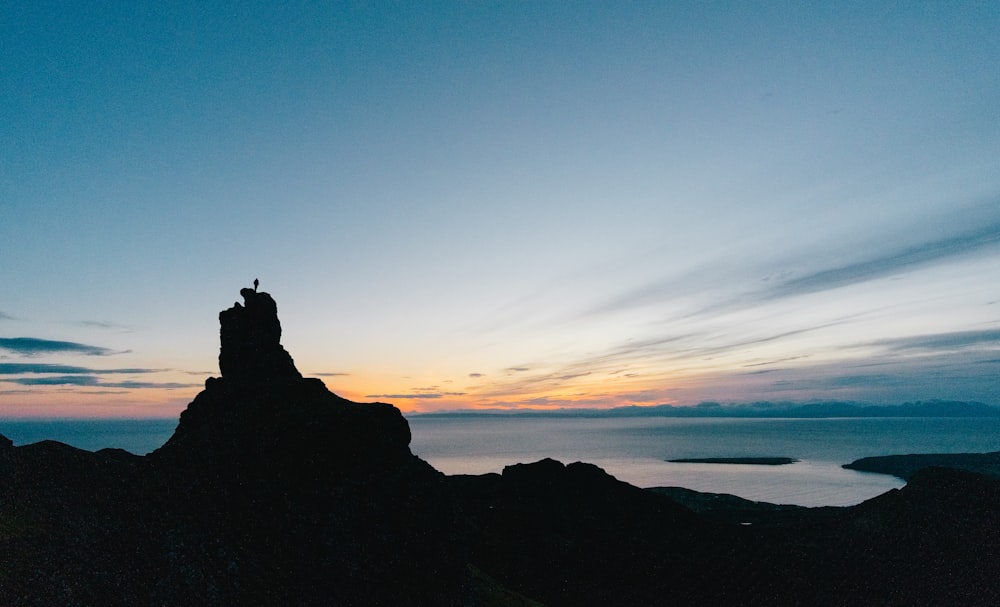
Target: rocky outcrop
(300,495)
(251,350)
(272,491)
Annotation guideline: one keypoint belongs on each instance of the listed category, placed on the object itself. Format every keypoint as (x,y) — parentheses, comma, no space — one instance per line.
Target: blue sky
(503,204)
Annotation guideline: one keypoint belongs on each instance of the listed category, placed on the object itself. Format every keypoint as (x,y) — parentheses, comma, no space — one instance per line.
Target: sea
(634,450)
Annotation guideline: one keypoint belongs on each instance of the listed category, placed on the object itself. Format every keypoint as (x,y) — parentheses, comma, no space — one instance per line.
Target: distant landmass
(752,461)
(905,466)
(930,408)
(274,491)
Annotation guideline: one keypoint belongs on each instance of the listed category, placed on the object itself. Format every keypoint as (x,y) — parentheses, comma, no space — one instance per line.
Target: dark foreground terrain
(275,491)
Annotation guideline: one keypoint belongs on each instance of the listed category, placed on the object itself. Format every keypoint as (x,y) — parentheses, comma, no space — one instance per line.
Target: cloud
(416,395)
(69,375)
(866,381)
(697,282)
(682,347)
(943,341)
(140,385)
(331,374)
(103,324)
(776,361)
(58,380)
(41,368)
(404,396)
(476,375)
(92,380)
(33,346)
(889,263)
(517,369)
(6,316)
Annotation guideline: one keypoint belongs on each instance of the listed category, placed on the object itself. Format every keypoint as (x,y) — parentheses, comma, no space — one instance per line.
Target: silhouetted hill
(574,536)
(933,542)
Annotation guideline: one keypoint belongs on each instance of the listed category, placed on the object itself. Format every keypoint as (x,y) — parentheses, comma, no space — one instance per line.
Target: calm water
(634,449)
(140,436)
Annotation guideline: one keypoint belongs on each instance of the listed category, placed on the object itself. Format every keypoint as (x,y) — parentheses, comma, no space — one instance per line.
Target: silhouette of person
(256,283)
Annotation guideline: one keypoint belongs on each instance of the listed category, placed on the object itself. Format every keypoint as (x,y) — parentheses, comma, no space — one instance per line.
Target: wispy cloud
(94,381)
(4,316)
(42,368)
(405,396)
(331,374)
(141,385)
(943,341)
(103,324)
(774,362)
(57,380)
(711,280)
(888,263)
(33,346)
(70,375)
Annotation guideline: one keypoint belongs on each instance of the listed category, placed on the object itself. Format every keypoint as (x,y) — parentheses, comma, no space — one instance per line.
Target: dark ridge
(735,510)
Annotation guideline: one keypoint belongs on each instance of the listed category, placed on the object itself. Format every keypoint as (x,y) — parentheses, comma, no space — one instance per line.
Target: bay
(635,450)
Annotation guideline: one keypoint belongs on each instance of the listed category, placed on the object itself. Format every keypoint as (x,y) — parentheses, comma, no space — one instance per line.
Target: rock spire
(250,335)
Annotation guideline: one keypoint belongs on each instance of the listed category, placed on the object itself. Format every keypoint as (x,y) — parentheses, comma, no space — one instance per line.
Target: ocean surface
(634,449)
(140,436)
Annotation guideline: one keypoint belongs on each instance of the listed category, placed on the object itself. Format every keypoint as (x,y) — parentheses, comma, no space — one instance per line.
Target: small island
(753,461)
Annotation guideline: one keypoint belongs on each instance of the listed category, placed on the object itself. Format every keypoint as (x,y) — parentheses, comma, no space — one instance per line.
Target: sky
(474,205)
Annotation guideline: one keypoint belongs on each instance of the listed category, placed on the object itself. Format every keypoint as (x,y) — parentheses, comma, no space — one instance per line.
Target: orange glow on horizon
(510,390)
(582,392)
(134,404)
